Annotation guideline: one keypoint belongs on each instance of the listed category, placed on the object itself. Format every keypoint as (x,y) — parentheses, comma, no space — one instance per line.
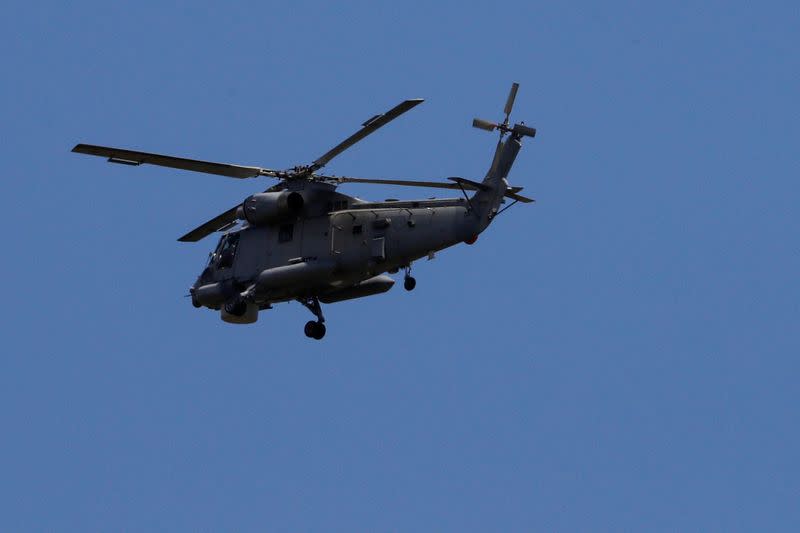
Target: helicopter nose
(195,303)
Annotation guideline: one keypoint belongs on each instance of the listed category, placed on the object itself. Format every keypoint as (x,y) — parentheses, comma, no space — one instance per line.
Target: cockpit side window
(213,256)
(226,251)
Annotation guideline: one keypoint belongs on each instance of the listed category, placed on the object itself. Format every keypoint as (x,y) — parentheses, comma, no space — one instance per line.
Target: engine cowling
(271,207)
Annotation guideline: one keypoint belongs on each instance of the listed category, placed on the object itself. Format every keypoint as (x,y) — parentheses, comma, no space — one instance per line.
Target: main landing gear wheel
(408,283)
(314,329)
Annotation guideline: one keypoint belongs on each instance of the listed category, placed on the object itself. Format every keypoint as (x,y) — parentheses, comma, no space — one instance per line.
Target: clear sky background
(620,356)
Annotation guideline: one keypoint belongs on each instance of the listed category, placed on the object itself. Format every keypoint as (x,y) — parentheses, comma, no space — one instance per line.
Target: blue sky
(621,355)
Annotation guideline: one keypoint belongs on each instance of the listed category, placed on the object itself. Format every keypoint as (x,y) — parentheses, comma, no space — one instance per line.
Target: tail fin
(487,202)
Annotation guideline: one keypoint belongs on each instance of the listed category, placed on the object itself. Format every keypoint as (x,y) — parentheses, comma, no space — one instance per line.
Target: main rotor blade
(405,183)
(368,127)
(215,224)
(459,183)
(131,157)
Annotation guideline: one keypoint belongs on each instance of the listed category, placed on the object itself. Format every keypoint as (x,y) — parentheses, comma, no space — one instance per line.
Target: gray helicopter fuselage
(332,248)
(301,240)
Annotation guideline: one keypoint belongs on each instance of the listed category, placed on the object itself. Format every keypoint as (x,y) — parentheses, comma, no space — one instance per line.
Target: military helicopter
(301,240)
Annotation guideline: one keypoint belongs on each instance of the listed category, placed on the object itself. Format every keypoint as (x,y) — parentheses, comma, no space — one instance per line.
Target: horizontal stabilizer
(518,197)
(469,184)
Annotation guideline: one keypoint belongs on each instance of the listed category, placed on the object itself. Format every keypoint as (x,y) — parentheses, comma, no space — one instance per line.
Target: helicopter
(302,240)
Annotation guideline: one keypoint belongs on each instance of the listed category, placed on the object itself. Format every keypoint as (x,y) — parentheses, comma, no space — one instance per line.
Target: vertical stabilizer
(487,202)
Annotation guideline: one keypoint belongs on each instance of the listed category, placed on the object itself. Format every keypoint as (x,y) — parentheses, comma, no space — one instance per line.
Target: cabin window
(285,233)
(358,230)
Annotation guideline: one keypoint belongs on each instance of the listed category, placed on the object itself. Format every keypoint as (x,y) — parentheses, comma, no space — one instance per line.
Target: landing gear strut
(408,282)
(314,329)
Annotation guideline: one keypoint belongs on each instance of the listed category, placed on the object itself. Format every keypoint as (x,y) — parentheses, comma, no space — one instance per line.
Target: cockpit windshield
(225,252)
(212,256)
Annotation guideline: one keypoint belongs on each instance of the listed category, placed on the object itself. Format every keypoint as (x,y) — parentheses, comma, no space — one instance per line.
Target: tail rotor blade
(483,124)
(510,102)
